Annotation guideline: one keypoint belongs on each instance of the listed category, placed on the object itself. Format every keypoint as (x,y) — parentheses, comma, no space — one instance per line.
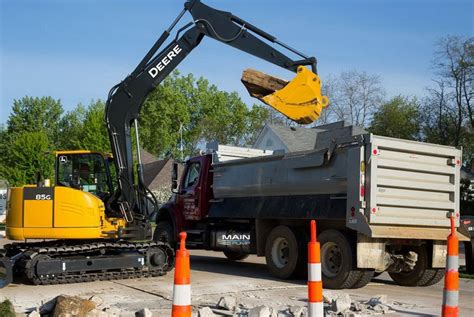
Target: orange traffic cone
(182,281)
(451,277)
(315,284)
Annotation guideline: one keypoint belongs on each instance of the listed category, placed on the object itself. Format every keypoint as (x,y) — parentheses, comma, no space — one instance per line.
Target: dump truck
(381,204)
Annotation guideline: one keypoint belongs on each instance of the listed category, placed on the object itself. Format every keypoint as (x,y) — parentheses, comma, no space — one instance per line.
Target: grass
(2,226)
(464,274)
(6,309)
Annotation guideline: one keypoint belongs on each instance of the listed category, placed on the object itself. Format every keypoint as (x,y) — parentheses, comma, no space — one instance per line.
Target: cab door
(191,191)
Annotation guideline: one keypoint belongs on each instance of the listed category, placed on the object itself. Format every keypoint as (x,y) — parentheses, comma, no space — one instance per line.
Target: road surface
(213,276)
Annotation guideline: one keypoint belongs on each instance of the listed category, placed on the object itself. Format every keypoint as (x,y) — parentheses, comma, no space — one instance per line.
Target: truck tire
(366,275)
(422,274)
(164,232)
(235,256)
(338,261)
(469,255)
(281,252)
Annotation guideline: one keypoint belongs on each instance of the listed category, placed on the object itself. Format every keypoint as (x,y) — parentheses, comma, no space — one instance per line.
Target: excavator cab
(73,208)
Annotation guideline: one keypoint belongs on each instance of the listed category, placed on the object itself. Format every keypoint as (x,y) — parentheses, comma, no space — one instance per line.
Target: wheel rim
(331,259)
(280,252)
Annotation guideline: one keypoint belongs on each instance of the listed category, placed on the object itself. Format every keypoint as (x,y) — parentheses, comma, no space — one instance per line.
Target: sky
(76,50)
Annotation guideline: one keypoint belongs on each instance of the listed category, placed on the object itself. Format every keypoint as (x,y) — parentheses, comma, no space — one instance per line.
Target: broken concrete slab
(145,312)
(227,302)
(34,313)
(206,312)
(341,303)
(260,311)
(97,300)
(379,299)
(297,311)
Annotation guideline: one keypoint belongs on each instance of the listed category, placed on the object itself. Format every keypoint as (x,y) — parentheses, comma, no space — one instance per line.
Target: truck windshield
(192,176)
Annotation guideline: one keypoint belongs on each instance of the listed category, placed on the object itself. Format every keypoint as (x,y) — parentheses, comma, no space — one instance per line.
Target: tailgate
(412,184)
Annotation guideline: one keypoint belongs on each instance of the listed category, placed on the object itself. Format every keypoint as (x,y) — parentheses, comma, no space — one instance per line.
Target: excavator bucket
(300,99)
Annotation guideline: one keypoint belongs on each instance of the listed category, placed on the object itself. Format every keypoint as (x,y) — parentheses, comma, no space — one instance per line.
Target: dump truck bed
(382,187)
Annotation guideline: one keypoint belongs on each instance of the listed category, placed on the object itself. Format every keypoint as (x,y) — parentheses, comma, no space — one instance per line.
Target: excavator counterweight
(299,99)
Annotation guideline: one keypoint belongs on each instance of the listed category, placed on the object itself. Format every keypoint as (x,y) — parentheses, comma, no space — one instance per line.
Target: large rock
(67,306)
(227,302)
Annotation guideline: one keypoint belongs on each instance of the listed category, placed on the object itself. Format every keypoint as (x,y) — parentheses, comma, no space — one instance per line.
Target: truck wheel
(164,232)
(366,275)
(235,256)
(422,274)
(338,261)
(469,255)
(281,252)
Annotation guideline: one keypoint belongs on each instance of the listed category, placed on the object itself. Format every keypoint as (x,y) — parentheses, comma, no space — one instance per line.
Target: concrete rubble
(335,304)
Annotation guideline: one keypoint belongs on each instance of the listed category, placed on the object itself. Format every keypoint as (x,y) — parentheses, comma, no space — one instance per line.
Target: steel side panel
(280,207)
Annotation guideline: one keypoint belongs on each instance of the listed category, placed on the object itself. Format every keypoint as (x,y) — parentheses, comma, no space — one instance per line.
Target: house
(157,175)
(292,139)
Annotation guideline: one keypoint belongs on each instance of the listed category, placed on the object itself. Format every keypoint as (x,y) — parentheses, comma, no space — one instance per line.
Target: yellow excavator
(94,222)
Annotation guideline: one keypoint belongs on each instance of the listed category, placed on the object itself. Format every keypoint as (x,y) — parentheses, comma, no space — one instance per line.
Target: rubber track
(32,253)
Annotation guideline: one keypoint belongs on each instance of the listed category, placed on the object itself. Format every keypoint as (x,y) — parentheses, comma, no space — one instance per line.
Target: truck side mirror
(174,178)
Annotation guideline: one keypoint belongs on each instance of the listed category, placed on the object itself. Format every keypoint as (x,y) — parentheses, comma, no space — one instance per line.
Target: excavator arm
(126,98)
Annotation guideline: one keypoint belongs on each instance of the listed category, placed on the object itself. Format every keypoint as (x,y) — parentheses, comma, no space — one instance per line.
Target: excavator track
(61,262)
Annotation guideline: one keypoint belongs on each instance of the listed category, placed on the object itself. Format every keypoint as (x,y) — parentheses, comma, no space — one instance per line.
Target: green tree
(205,113)
(35,114)
(24,156)
(397,118)
(84,129)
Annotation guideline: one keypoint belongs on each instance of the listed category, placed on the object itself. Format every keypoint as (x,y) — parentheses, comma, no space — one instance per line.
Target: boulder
(72,306)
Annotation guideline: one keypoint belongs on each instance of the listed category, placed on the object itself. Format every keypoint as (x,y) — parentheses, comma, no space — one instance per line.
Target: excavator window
(86,172)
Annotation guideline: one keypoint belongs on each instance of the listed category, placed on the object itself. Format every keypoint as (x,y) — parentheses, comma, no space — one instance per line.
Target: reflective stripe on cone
(182,282)
(315,284)
(451,278)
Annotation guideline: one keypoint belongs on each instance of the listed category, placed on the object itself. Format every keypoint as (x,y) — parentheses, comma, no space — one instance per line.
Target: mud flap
(6,272)
(299,99)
